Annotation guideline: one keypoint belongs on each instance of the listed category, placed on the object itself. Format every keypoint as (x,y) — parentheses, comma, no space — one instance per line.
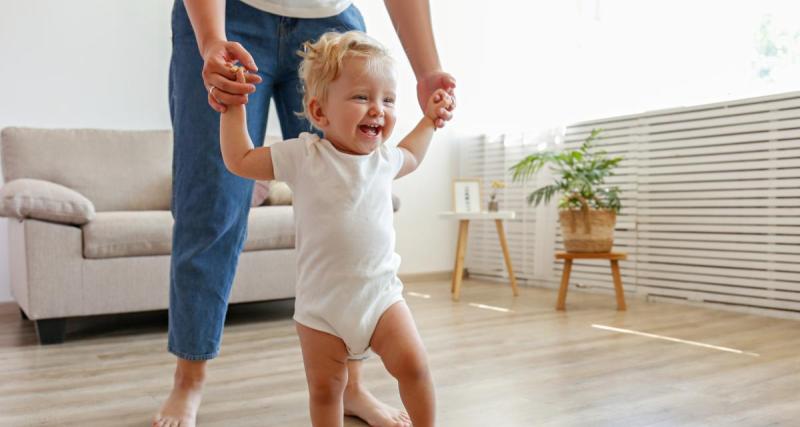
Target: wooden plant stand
(613,257)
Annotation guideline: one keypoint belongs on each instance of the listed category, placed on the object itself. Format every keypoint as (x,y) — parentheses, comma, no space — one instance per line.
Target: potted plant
(587,208)
(494,205)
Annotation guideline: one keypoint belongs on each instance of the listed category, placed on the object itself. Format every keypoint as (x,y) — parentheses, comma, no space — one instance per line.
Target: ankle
(189,380)
(354,388)
(190,374)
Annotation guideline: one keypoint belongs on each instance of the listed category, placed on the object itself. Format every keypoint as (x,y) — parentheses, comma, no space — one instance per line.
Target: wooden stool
(614,257)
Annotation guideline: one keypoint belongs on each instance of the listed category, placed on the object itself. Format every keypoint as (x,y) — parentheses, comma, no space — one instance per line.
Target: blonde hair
(323,61)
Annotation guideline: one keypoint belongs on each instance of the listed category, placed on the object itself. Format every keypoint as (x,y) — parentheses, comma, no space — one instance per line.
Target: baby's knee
(327,389)
(412,367)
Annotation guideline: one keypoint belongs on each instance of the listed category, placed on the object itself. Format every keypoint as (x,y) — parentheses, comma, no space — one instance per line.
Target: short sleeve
(287,157)
(396,157)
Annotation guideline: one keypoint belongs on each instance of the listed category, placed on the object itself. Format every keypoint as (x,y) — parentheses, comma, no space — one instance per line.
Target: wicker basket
(588,231)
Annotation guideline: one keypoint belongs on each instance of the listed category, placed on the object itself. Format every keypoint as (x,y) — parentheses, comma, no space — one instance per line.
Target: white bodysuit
(346,263)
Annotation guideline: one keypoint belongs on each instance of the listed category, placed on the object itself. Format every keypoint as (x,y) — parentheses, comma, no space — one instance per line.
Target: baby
(349,298)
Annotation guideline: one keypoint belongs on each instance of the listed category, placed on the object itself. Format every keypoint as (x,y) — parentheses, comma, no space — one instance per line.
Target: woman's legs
(210,207)
(325,361)
(400,347)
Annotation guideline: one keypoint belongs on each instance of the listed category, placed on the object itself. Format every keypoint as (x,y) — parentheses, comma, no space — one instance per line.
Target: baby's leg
(398,344)
(325,360)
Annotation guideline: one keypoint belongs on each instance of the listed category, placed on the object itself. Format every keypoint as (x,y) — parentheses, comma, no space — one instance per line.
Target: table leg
(618,285)
(502,235)
(562,292)
(461,249)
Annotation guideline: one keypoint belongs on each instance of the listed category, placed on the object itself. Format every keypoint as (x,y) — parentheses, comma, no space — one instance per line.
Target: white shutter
(711,206)
(490,159)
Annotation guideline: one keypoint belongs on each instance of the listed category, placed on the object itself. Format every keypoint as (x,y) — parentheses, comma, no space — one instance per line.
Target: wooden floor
(527,366)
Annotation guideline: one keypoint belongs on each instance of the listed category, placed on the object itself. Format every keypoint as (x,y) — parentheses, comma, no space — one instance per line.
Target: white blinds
(711,206)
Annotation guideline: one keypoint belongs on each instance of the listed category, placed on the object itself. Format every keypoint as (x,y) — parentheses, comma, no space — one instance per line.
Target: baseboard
(426,277)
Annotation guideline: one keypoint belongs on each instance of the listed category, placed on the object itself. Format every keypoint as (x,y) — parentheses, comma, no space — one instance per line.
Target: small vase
(494,206)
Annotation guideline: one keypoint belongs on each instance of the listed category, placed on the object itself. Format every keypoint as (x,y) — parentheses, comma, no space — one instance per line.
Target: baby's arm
(415,144)
(237,149)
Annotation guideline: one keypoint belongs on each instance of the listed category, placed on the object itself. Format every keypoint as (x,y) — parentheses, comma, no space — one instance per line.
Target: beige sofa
(91,229)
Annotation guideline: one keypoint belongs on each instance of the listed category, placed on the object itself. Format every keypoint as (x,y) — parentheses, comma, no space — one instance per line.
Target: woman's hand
(429,84)
(219,75)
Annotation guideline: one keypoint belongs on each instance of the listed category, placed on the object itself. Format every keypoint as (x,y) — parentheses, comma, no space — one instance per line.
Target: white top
(301,8)
(481,215)
(345,239)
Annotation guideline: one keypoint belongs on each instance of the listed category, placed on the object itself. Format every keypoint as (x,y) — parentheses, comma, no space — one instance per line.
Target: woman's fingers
(214,104)
(226,98)
(252,78)
(227,82)
(221,76)
(230,92)
(444,114)
(238,52)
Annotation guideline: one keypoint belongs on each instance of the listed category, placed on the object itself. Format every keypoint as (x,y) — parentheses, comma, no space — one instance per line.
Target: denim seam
(188,356)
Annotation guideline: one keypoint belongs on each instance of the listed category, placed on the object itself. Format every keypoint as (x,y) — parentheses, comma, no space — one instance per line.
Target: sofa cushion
(33,198)
(142,233)
(117,170)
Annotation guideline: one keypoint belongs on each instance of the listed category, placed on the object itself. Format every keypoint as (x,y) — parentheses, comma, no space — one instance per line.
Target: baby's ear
(318,116)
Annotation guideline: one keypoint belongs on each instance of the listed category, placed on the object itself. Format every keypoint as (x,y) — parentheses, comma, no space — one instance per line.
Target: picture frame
(467,195)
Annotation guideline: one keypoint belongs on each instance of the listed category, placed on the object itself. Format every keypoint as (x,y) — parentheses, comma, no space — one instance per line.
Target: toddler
(348,297)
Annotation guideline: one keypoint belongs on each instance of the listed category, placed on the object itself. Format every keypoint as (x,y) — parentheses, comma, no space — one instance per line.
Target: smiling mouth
(370,130)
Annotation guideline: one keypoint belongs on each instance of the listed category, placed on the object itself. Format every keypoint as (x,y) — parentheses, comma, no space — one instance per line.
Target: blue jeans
(209,204)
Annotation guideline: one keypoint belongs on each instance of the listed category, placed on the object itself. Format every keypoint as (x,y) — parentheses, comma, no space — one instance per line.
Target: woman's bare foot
(180,408)
(359,402)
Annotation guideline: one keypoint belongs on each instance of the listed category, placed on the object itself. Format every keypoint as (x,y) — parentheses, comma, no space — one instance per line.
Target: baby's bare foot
(180,408)
(359,402)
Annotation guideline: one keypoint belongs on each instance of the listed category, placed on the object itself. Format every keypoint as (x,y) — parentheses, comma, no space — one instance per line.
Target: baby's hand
(438,104)
(239,71)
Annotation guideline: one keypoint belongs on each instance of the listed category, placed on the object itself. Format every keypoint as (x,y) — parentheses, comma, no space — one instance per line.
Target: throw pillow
(260,193)
(279,193)
(45,200)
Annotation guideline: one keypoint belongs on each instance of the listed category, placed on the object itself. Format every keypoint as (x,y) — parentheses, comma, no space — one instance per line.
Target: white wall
(94,63)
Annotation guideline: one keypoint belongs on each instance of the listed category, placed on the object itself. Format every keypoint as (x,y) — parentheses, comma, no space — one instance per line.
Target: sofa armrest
(44,200)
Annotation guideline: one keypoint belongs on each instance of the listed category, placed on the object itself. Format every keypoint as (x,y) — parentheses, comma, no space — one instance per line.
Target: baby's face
(360,107)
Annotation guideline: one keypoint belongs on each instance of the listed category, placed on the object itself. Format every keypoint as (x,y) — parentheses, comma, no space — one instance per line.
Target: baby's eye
(389,101)
(360,97)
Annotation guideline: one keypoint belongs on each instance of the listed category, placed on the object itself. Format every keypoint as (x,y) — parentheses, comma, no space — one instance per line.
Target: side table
(461,248)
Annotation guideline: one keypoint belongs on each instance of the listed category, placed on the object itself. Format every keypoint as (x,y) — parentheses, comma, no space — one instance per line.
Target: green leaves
(545,193)
(580,176)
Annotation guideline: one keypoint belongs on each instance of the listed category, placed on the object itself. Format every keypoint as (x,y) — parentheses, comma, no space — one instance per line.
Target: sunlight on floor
(661,337)
(491,307)
(418,295)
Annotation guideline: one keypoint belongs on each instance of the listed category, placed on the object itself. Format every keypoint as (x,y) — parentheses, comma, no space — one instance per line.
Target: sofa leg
(23,315)
(51,331)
